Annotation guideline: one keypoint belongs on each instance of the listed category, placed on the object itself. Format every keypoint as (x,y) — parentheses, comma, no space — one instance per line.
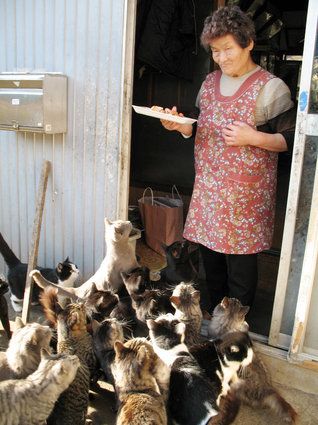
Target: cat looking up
(254,387)
(120,257)
(23,354)
(64,274)
(228,316)
(186,301)
(141,401)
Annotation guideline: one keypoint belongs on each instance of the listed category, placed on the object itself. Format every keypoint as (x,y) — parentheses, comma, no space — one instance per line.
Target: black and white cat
(65,274)
(254,386)
(194,399)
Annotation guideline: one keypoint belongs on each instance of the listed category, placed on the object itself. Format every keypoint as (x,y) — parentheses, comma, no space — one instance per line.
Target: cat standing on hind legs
(254,387)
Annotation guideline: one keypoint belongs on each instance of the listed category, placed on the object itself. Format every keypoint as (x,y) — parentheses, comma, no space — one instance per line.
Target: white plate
(161,115)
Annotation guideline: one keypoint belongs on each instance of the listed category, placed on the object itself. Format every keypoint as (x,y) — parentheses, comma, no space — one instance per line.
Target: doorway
(160,159)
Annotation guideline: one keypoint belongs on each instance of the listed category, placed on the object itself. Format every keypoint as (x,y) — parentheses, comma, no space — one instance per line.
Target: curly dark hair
(228,20)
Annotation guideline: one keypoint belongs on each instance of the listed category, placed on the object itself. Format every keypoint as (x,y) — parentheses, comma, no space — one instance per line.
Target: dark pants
(232,275)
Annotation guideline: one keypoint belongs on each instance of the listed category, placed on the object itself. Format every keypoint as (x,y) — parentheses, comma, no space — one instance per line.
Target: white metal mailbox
(33,102)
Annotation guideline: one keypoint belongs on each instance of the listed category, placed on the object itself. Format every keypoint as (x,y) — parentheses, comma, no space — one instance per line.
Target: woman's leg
(242,277)
(215,268)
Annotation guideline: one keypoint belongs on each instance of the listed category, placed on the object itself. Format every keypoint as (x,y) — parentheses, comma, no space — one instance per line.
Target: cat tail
(49,302)
(44,283)
(280,407)
(228,410)
(9,257)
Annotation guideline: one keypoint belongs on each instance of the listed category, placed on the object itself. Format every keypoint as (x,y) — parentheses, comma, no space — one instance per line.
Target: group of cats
(168,373)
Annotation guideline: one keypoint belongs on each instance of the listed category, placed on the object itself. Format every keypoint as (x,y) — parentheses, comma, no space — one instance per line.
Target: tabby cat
(4,316)
(65,274)
(23,354)
(30,400)
(138,391)
(104,336)
(228,315)
(194,398)
(72,338)
(186,300)
(254,387)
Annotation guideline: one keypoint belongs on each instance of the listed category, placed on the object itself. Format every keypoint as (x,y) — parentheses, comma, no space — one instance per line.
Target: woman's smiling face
(233,59)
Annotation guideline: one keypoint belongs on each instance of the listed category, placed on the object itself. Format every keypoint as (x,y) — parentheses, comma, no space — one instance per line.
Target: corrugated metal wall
(84,40)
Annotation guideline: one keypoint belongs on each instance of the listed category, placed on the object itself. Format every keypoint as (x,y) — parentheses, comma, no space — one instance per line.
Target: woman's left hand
(239,134)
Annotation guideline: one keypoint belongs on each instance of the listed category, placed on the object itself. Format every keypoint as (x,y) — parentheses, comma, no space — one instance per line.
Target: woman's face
(233,60)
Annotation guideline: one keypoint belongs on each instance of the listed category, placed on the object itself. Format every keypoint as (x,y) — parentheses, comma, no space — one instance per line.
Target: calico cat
(254,387)
(186,301)
(4,316)
(72,338)
(141,401)
(228,315)
(120,257)
(30,400)
(182,263)
(23,354)
(104,336)
(194,398)
(65,274)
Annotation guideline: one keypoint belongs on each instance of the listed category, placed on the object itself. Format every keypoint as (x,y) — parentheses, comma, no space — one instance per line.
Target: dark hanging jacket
(166,36)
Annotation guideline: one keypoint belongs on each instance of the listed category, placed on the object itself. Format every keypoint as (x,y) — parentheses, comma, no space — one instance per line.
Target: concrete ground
(297,385)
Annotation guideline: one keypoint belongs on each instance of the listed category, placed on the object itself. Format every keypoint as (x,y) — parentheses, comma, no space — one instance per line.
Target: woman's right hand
(185,129)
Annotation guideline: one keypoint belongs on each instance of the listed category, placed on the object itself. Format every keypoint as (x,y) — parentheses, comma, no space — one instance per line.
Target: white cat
(120,257)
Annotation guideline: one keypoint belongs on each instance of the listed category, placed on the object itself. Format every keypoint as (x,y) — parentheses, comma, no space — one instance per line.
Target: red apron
(233,201)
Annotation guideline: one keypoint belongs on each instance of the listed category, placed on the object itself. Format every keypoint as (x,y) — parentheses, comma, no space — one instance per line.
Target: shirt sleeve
(276,112)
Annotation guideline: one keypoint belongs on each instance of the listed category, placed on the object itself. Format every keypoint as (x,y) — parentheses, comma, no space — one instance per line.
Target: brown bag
(162,218)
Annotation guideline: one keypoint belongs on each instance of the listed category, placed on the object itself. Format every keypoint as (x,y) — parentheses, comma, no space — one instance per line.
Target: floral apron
(233,201)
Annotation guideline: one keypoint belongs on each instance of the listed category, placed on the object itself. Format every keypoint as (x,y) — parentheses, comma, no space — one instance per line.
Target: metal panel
(82,39)
(292,320)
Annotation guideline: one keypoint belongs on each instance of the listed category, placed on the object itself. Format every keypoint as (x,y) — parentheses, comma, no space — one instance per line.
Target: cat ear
(164,246)
(45,353)
(67,260)
(244,310)
(196,295)
(153,304)
(119,347)
(225,302)
(95,325)
(59,267)
(175,300)
(93,288)
(107,222)
(124,275)
(152,324)
(19,323)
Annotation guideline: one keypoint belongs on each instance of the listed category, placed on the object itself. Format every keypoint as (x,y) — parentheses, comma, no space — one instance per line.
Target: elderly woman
(243,123)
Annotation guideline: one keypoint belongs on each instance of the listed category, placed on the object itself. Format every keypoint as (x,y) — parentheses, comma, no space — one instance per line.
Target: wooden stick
(33,254)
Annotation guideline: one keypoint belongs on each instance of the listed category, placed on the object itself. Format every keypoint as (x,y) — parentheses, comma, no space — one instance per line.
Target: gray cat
(30,400)
(24,351)
(228,316)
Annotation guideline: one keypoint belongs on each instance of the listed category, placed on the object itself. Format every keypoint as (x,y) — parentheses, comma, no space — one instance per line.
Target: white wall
(84,40)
